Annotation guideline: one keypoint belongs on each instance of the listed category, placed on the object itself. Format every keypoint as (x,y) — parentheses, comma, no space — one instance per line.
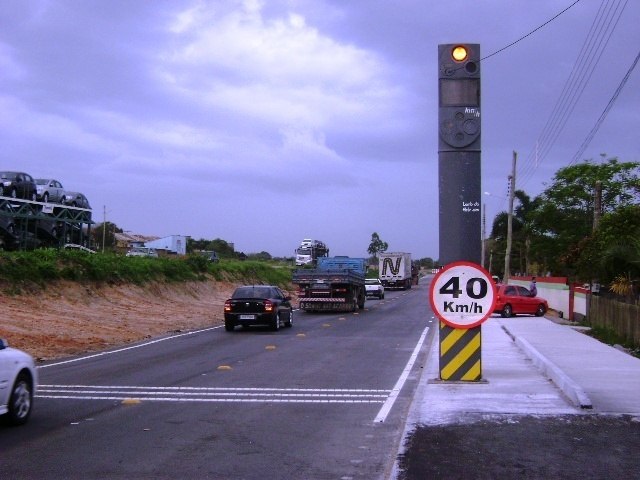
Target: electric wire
(531,32)
(525,36)
(594,46)
(604,113)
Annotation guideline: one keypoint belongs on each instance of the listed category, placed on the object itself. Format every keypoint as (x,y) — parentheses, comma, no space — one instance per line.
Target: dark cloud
(203,118)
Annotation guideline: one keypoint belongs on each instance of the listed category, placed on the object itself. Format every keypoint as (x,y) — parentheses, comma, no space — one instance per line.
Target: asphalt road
(324,399)
(526,447)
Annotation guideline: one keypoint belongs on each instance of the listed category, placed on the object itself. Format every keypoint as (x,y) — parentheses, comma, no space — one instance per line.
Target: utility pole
(104,225)
(512,188)
(597,205)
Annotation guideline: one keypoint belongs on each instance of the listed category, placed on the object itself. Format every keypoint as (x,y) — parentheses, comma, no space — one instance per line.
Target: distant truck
(309,251)
(336,284)
(394,270)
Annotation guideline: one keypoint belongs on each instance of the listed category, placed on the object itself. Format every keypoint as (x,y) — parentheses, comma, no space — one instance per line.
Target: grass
(610,337)
(19,270)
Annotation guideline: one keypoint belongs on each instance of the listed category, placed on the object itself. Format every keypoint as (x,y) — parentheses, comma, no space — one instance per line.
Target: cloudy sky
(266,122)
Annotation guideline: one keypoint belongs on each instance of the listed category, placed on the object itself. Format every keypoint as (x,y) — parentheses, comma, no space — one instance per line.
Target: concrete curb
(570,388)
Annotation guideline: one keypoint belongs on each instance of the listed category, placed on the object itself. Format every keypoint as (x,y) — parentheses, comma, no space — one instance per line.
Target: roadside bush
(258,272)
(40,267)
(611,337)
(197,262)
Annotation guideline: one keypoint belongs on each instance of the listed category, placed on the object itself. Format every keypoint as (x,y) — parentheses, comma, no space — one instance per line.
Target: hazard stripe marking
(460,353)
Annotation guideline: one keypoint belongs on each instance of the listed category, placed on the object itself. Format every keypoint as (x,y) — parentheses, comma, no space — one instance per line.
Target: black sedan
(258,305)
(76,199)
(18,185)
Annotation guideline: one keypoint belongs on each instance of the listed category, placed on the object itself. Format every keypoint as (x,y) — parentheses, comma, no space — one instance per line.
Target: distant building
(171,245)
(124,241)
(174,244)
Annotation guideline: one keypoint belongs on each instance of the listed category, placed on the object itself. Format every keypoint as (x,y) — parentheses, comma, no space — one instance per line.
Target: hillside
(69,318)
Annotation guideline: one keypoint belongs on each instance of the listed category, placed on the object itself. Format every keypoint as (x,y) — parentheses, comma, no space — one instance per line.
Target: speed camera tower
(459,152)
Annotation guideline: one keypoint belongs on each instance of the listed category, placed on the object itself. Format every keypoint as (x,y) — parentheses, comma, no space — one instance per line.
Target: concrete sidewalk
(590,373)
(531,366)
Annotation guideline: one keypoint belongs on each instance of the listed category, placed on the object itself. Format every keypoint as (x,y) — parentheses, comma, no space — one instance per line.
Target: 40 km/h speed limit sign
(463,295)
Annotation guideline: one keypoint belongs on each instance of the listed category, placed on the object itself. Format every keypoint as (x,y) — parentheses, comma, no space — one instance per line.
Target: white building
(176,244)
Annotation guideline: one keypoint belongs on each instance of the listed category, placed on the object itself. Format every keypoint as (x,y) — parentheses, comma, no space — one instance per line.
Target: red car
(514,299)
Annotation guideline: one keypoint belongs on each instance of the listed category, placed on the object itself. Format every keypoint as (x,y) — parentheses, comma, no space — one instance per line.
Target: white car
(142,252)
(49,190)
(18,382)
(374,287)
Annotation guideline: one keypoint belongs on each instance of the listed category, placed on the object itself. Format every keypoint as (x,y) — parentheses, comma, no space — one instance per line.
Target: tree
(611,255)
(377,246)
(221,247)
(103,235)
(264,256)
(427,263)
(563,215)
(522,234)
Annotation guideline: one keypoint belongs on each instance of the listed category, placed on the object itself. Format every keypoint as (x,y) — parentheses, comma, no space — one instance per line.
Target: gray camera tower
(459,152)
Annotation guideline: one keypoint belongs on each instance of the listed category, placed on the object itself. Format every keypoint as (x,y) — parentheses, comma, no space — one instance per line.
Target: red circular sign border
(465,264)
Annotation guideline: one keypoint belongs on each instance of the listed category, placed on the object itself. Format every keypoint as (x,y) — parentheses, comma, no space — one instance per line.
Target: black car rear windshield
(253,292)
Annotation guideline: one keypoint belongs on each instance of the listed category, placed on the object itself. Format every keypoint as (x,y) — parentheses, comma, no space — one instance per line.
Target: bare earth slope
(69,318)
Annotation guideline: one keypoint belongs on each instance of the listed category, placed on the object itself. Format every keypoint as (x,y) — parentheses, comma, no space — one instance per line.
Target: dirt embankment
(69,318)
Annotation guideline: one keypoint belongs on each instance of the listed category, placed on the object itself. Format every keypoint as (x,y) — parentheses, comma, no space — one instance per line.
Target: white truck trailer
(394,270)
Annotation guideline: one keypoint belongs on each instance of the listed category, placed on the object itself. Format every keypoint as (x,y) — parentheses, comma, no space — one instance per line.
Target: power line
(531,32)
(604,113)
(592,50)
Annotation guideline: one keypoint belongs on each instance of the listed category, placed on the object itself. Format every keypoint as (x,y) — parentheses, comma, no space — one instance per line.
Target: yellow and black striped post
(460,353)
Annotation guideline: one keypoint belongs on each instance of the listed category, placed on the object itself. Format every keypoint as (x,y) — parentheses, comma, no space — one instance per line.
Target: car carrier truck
(394,270)
(309,251)
(336,284)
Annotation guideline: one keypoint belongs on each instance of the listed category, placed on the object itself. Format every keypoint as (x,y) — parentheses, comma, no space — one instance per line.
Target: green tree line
(585,225)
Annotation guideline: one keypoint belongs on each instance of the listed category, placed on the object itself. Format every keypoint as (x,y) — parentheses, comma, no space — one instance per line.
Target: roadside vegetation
(25,269)
(611,337)
(585,226)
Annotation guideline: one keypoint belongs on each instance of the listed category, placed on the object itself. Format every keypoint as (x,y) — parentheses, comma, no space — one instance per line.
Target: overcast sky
(266,122)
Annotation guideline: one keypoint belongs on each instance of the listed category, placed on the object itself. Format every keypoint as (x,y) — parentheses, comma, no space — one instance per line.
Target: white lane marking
(111,352)
(219,389)
(203,394)
(216,400)
(395,391)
